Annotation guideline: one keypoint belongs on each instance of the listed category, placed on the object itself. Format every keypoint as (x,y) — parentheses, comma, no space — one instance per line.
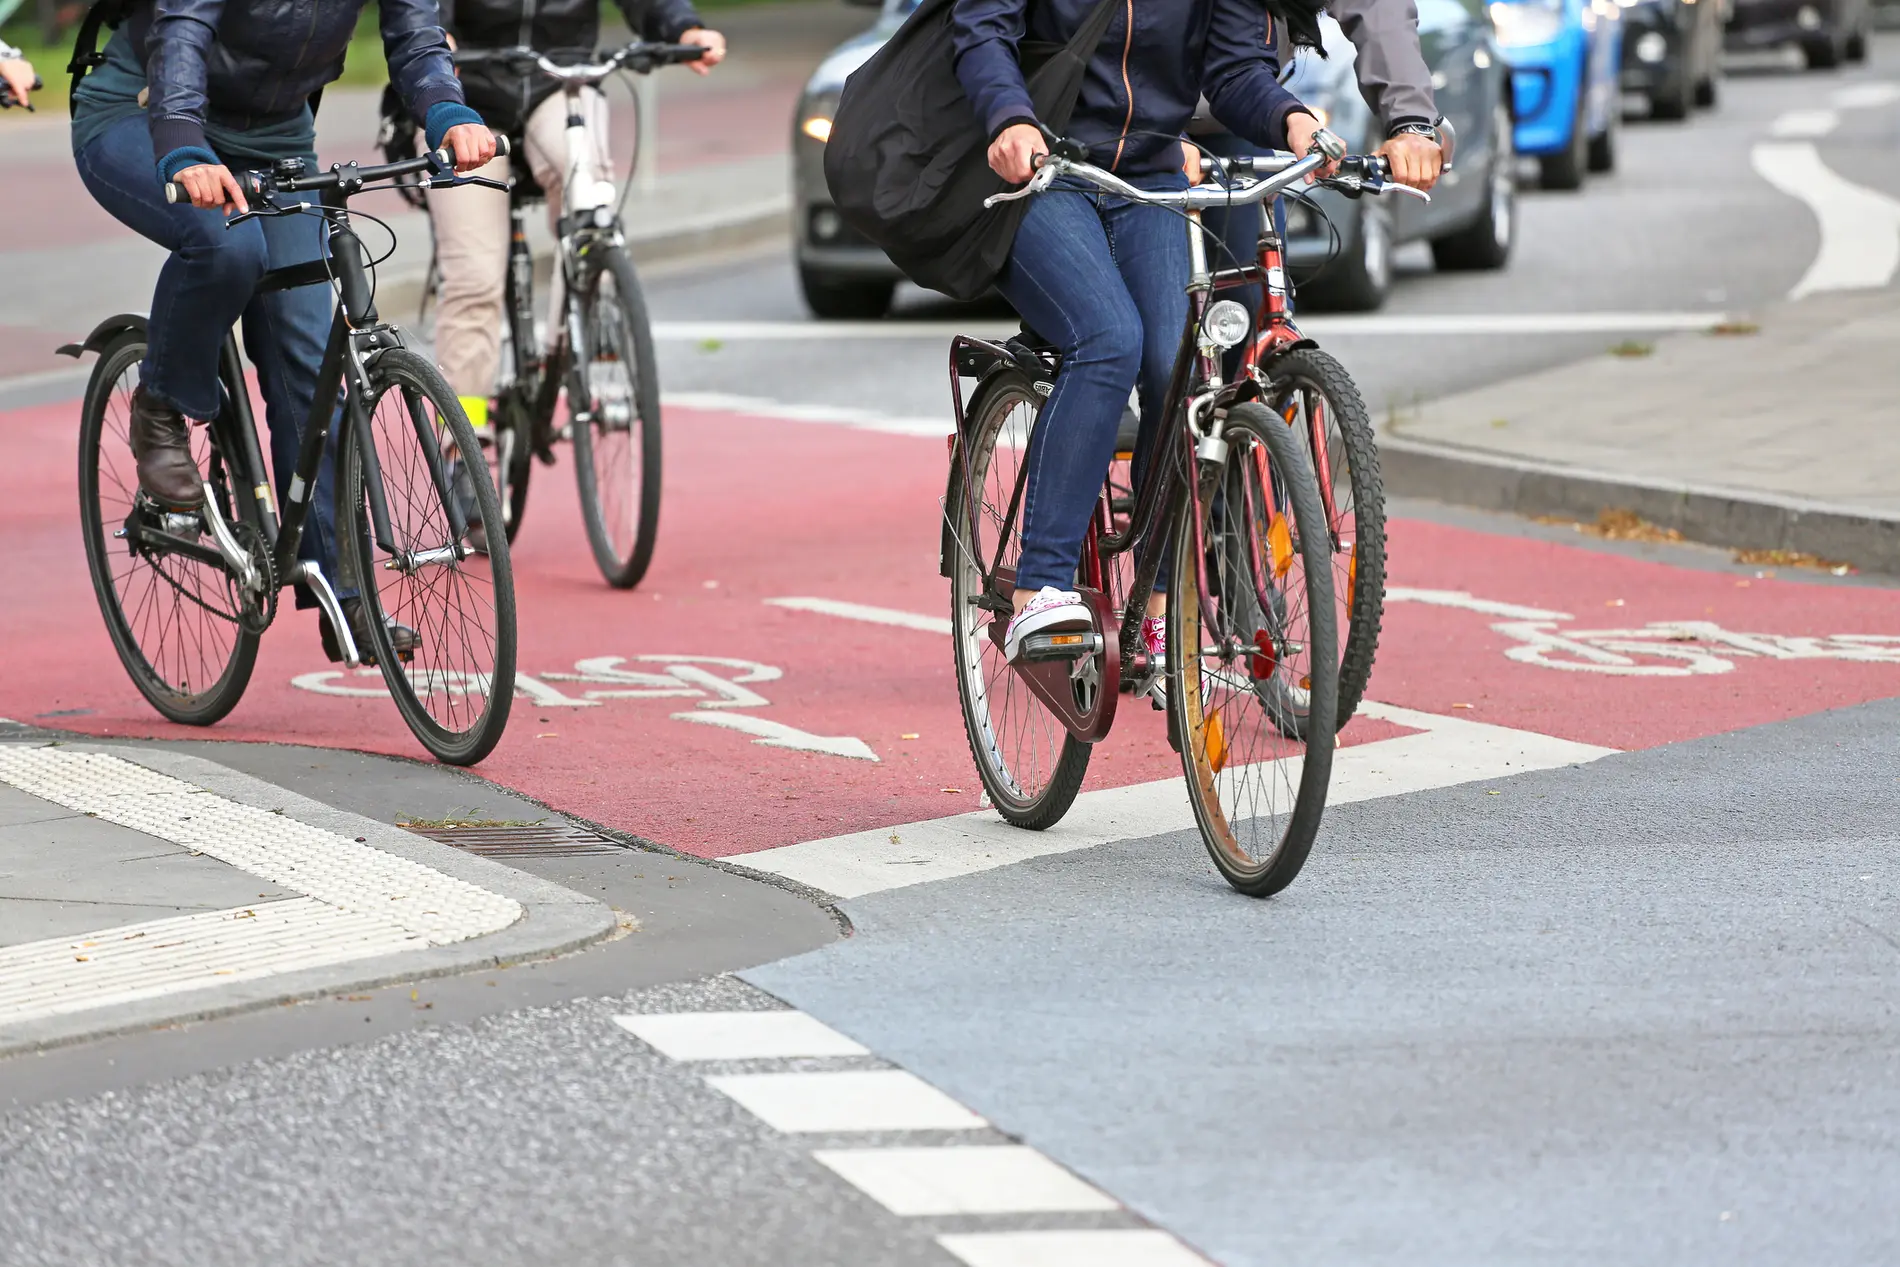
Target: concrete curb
(555,920)
(1868,539)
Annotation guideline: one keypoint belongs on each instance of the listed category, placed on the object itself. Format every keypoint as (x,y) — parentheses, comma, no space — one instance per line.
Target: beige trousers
(471,246)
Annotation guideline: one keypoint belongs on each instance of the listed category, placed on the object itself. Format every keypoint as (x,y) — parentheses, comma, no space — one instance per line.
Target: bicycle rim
(1030,765)
(172,619)
(456,690)
(1252,654)
(617,440)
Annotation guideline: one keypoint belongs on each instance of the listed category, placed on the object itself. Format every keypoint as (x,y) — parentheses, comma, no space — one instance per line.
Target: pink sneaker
(1050,611)
(1154,637)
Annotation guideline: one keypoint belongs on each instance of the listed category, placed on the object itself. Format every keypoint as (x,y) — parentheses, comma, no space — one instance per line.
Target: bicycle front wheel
(1029,763)
(455,687)
(1252,653)
(174,619)
(613,405)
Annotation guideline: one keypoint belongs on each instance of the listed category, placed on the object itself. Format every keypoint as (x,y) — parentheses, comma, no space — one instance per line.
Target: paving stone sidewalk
(1780,431)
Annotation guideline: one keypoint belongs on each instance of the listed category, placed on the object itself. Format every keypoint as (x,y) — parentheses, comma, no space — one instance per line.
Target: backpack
(907,161)
(86,54)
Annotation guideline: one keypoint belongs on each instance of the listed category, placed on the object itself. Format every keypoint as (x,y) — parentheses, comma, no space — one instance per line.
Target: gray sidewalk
(1783,433)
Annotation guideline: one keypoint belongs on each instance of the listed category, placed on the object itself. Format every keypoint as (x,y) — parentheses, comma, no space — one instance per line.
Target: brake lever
(1044,177)
(455,181)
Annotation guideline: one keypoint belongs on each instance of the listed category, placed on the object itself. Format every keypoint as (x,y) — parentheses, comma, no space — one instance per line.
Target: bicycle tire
(1256,654)
(1358,567)
(162,605)
(622,560)
(445,665)
(1032,789)
(511,460)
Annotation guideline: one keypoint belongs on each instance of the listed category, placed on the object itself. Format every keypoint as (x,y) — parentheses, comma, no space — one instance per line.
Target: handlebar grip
(174,194)
(446,157)
(502,144)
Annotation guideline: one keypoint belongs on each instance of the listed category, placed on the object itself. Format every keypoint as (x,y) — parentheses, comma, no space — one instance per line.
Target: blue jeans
(1106,281)
(204,288)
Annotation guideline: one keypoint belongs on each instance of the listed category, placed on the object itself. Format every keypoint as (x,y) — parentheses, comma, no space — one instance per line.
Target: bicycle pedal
(1060,646)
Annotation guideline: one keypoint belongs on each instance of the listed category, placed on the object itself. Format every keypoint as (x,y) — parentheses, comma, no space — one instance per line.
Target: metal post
(646,159)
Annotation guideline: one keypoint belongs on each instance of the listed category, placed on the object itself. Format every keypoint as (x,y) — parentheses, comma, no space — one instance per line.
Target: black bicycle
(601,350)
(187,595)
(1228,519)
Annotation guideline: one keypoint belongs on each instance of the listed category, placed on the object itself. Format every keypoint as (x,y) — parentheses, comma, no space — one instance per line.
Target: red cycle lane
(696,713)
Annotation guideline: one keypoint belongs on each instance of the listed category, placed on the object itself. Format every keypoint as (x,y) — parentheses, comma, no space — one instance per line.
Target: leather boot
(402,637)
(161,445)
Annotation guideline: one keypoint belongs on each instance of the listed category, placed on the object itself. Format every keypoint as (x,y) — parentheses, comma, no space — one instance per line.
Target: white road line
(1465,602)
(357,902)
(1393,324)
(1804,124)
(833,415)
(868,614)
(1119,1247)
(1450,752)
(987,1179)
(738,1035)
(1865,96)
(852,1100)
(776,734)
(1860,229)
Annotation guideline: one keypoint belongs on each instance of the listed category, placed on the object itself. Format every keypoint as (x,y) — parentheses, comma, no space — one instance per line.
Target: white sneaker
(1051,610)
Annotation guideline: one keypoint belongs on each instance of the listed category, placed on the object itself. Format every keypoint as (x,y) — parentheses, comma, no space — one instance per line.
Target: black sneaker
(405,639)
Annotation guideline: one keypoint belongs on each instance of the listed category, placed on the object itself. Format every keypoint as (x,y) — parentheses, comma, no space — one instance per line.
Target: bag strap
(86,54)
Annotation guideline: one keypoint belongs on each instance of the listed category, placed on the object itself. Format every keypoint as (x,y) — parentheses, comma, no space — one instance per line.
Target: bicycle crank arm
(236,557)
(308,572)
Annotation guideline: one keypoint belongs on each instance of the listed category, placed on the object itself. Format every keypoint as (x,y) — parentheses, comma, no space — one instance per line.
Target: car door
(1451,38)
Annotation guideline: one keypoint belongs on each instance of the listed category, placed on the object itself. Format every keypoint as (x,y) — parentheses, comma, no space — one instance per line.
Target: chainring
(256,611)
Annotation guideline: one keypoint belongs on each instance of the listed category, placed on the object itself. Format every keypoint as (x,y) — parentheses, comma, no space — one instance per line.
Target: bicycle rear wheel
(456,689)
(1251,646)
(614,404)
(1029,763)
(1313,392)
(174,620)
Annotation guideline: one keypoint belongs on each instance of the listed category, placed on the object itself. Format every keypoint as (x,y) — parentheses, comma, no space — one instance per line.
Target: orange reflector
(1124,457)
(1216,738)
(1352,577)
(1306,683)
(1280,540)
(1064,640)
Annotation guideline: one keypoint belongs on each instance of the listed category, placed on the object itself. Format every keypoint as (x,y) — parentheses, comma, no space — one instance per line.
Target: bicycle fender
(985,362)
(106,331)
(1287,349)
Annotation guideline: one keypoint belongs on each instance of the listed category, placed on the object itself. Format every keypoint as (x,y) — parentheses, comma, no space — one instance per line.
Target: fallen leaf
(81,959)
(547,734)
(1461,706)
(957,790)
(1613,602)
(1492,792)
(912,735)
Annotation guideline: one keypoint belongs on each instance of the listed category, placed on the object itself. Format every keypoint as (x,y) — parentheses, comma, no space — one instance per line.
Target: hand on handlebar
(1014,152)
(712,41)
(470,145)
(18,77)
(1415,160)
(211,187)
(1302,131)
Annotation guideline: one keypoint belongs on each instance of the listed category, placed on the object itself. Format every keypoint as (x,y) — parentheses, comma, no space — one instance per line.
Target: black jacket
(251,63)
(555,27)
(1147,74)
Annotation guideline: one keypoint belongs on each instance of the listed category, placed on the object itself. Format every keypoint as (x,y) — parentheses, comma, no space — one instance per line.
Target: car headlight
(1522,24)
(817,127)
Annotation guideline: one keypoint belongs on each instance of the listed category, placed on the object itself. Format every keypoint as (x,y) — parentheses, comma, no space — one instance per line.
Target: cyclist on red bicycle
(17,79)
(471,228)
(186,91)
(1104,278)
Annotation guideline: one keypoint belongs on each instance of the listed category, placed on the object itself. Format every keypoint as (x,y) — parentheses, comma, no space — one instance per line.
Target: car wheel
(1674,102)
(1603,145)
(838,298)
(1823,53)
(1360,277)
(1856,47)
(1706,92)
(1565,170)
(1486,242)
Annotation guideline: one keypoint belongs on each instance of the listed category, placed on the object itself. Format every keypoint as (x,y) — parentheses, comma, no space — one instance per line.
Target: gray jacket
(1390,68)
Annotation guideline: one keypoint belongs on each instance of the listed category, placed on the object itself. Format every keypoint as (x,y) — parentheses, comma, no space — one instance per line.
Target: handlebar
(7,99)
(639,57)
(352,178)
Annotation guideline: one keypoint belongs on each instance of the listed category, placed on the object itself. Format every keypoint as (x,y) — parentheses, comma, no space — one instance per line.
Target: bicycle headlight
(1225,324)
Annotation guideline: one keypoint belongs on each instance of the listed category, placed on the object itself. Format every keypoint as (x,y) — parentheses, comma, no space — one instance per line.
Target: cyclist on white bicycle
(1103,278)
(471,230)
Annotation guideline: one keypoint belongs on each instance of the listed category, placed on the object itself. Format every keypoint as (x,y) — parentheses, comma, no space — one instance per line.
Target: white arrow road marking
(870,615)
(1802,124)
(1866,96)
(1465,602)
(774,734)
(1860,229)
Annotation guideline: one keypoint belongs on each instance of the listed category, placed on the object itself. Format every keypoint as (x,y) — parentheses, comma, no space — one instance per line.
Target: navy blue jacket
(252,63)
(1157,60)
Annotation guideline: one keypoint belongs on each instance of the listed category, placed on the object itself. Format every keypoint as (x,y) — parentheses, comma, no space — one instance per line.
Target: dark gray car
(1470,221)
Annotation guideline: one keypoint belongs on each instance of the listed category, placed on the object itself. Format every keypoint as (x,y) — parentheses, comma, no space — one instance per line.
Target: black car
(1827,32)
(1672,52)
(1470,221)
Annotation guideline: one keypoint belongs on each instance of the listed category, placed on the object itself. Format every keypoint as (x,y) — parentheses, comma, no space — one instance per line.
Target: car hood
(847,57)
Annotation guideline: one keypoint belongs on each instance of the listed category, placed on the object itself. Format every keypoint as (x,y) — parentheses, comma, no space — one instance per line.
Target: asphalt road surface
(1628,998)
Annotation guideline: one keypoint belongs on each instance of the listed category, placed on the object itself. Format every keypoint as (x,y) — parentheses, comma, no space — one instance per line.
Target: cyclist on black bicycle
(1103,278)
(471,229)
(185,91)
(17,80)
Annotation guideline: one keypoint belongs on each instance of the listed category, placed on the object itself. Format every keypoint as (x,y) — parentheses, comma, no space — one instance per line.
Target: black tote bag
(907,162)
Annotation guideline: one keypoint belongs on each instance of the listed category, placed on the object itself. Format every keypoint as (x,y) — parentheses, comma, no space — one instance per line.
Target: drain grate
(533,840)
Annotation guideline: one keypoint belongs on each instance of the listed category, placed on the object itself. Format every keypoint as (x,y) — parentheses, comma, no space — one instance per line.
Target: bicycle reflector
(1225,324)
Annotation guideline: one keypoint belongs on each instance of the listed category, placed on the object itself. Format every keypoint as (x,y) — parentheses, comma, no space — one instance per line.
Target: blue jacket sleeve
(1240,74)
(662,21)
(418,56)
(181,37)
(985,34)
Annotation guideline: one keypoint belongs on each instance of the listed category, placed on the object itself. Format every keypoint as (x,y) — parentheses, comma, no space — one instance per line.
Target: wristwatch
(8,53)
(1425,130)
(1439,130)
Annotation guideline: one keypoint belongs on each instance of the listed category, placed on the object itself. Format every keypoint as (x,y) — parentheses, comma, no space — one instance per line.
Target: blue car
(1565,56)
